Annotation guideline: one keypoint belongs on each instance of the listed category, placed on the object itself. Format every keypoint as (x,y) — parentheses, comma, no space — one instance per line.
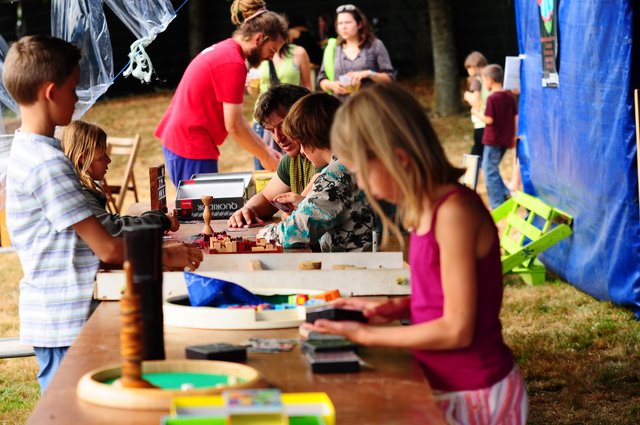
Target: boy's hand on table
(181,256)
(244,217)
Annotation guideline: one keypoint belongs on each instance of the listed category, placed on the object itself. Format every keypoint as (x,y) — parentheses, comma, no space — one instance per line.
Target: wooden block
(255,265)
(346,267)
(217,246)
(158,188)
(269,247)
(310,265)
(257,248)
(234,246)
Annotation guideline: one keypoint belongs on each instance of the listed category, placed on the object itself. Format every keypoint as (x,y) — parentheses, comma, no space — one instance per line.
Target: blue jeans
(180,168)
(49,359)
(496,189)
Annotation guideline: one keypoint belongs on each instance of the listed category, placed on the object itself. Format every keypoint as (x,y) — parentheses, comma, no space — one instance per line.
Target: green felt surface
(174,380)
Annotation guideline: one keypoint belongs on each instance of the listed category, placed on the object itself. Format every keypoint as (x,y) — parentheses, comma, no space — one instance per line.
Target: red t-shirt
(501,106)
(193,126)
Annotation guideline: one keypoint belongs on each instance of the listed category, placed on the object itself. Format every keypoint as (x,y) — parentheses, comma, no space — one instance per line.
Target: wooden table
(392,391)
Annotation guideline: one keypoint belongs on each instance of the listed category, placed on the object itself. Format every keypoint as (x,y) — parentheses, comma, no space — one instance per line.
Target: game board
(152,384)
(179,312)
(174,377)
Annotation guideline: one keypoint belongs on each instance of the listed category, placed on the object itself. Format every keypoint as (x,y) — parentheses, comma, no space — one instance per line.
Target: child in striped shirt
(58,239)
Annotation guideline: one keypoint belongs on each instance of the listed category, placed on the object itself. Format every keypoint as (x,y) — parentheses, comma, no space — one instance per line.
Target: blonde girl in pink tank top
(383,136)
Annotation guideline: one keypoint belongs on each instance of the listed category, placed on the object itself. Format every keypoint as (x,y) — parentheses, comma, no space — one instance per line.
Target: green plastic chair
(522,240)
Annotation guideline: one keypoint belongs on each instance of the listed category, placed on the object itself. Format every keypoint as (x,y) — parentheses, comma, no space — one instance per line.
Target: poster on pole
(548,18)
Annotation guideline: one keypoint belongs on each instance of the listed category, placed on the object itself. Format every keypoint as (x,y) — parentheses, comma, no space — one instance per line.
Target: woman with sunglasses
(356,58)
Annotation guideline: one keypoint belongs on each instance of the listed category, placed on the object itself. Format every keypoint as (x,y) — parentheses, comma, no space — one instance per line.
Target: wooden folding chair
(531,227)
(126,146)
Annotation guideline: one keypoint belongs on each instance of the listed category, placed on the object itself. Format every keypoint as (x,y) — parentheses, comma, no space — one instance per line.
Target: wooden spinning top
(131,336)
(206,215)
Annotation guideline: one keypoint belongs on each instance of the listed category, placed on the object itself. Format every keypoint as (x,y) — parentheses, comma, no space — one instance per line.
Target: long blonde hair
(375,124)
(252,17)
(80,142)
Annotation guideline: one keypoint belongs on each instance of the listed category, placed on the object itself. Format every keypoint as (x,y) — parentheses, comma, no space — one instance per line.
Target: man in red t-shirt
(207,105)
(500,117)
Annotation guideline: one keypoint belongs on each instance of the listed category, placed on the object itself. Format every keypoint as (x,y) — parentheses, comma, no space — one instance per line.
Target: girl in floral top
(335,215)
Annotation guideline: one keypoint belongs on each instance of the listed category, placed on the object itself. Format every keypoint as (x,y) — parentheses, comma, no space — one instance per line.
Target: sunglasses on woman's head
(345,8)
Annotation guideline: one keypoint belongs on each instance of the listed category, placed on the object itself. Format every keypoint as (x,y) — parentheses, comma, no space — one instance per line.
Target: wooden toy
(206,215)
(310,265)
(223,243)
(173,378)
(333,361)
(151,385)
(158,188)
(220,351)
(131,336)
(330,295)
(179,312)
(346,267)
(255,265)
(296,408)
(334,313)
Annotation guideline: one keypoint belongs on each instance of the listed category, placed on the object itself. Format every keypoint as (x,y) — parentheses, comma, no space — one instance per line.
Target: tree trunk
(447,86)
(197,16)
(424,52)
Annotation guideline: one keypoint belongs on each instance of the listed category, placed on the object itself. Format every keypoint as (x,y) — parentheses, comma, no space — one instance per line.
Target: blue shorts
(180,168)
(49,359)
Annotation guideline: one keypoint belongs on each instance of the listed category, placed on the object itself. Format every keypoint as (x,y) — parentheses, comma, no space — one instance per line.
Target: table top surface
(391,390)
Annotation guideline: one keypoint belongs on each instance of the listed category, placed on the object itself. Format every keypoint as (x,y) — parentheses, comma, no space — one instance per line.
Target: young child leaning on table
(85,145)
(335,215)
(58,239)
(383,135)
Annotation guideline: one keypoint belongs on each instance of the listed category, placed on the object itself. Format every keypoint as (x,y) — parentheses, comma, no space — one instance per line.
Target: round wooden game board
(95,387)
(178,313)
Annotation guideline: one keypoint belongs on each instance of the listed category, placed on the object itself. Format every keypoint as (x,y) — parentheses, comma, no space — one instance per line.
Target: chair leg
(134,188)
(533,275)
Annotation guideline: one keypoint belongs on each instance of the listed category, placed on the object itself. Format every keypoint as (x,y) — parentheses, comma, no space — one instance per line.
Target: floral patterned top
(335,216)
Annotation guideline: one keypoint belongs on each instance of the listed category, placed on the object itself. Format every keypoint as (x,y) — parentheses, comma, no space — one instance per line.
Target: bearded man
(207,105)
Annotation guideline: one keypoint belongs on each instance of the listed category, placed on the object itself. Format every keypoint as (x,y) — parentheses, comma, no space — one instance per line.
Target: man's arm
(239,130)
(259,208)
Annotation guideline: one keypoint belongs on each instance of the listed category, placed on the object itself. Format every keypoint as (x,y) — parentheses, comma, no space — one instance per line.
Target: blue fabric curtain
(578,149)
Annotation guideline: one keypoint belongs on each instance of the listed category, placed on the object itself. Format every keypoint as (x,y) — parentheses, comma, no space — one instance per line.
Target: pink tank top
(488,359)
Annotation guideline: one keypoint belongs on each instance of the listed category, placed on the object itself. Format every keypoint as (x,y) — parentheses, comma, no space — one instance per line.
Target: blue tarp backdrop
(578,149)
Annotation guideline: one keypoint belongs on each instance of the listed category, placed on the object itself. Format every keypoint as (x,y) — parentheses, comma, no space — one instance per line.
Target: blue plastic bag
(211,292)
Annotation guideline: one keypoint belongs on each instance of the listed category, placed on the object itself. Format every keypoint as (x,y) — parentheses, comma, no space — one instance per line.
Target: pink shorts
(504,403)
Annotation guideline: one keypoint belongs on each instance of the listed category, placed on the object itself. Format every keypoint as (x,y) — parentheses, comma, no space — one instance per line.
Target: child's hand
(174,223)
(244,217)
(377,311)
(290,198)
(353,331)
(179,255)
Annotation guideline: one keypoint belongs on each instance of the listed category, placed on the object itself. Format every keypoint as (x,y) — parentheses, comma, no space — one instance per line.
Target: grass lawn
(580,357)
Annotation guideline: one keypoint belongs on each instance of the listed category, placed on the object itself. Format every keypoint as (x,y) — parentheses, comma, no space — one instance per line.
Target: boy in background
(500,117)
(57,237)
